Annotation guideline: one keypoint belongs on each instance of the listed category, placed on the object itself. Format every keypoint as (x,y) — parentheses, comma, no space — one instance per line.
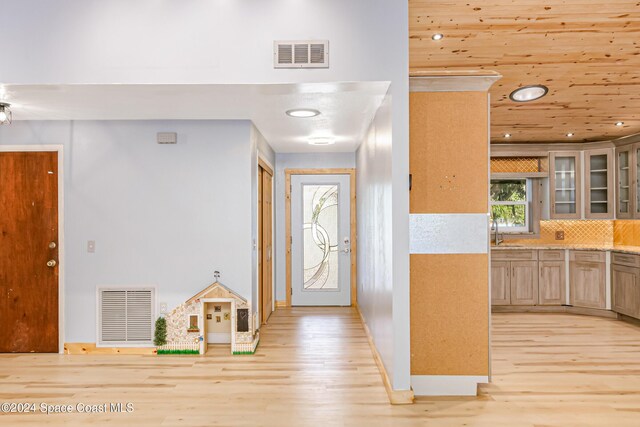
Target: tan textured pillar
(449,164)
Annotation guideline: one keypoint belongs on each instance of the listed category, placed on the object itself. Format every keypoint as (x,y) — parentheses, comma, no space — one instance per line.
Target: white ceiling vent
(301,54)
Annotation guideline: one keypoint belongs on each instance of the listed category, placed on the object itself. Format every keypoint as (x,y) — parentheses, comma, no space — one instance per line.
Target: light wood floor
(314,368)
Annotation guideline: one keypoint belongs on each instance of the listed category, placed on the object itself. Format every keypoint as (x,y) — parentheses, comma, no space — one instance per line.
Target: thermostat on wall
(167,137)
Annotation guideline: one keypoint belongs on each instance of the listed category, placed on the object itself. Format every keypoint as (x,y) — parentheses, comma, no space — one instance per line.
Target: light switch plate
(91,246)
(163,308)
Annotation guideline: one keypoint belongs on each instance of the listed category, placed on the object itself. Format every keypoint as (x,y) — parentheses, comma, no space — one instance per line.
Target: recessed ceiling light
(507,135)
(437,36)
(570,134)
(619,123)
(321,140)
(6,116)
(529,93)
(303,113)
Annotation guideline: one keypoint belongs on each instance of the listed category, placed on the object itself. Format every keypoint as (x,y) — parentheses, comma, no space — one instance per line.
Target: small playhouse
(215,315)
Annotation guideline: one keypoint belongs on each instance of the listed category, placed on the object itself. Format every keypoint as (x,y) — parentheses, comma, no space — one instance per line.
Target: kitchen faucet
(494,226)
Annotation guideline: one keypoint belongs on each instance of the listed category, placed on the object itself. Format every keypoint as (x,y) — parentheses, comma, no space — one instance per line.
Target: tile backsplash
(576,232)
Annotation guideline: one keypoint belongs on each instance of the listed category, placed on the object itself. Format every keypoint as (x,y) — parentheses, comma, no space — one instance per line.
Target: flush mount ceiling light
(507,135)
(570,134)
(321,140)
(528,93)
(6,116)
(303,113)
(619,123)
(437,37)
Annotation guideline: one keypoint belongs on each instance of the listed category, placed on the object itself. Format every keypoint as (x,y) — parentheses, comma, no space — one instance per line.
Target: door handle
(51,263)
(346,250)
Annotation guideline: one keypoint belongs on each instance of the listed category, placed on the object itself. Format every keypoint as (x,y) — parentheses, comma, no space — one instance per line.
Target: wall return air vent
(301,54)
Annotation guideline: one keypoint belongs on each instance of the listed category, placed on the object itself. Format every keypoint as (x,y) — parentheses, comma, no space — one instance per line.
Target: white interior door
(320,240)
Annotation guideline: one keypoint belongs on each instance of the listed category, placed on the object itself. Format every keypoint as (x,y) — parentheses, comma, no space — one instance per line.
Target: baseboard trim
(396,397)
(447,385)
(90,348)
(554,309)
(281,304)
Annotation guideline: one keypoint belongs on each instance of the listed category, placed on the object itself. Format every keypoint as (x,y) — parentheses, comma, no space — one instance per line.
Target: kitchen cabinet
(625,182)
(565,185)
(514,277)
(524,282)
(626,290)
(598,184)
(625,284)
(587,279)
(551,282)
(500,285)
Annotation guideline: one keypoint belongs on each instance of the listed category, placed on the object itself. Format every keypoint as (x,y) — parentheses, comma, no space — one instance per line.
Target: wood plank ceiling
(587,52)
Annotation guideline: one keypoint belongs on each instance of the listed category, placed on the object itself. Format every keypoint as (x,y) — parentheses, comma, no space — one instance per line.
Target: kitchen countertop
(579,247)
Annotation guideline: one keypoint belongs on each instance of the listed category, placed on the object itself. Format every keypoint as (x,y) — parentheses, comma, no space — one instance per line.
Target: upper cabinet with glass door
(598,184)
(624,179)
(565,185)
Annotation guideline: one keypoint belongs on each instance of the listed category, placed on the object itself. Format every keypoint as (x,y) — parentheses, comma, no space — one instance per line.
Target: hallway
(314,367)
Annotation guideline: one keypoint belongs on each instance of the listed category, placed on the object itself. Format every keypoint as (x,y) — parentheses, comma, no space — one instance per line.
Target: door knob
(52,245)
(346,250)
(51,263)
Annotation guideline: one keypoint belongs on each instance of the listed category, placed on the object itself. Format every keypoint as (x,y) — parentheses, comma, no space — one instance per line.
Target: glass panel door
(598,184)
(320,240)
(624,182)
(565,185)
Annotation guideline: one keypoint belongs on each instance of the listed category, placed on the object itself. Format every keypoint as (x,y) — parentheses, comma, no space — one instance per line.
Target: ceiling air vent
(301,54)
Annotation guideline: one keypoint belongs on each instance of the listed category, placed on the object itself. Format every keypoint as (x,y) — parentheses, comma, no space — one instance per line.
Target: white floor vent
(301,54)
(125,316)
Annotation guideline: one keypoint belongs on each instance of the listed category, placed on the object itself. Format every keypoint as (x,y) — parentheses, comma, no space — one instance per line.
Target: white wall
(296,161)
(164,215)
(194,41)
(375,234)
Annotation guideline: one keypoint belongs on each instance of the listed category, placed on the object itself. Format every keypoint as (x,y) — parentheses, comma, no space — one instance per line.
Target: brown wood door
(28,225)
(267,245)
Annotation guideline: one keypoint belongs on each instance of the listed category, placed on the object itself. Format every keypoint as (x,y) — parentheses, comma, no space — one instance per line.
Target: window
(125,316)
(510,204)
(193,322)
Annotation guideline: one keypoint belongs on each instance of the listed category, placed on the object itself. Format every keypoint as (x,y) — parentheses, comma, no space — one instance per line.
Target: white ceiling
(346,108)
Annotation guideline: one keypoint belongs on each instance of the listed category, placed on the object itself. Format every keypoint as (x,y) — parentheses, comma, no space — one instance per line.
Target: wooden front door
(266,241)
(28,241)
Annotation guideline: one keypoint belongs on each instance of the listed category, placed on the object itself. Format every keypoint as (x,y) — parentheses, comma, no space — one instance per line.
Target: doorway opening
(217,324)
(265,240)
(320,224)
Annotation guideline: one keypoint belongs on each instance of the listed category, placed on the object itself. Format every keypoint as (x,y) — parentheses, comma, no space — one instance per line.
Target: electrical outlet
(163,308)
(560,235)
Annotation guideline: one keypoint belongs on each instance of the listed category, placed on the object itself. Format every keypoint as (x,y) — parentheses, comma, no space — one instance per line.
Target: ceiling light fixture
(437,36)
(528,93)
(321,140)
(570,134)
(303,113)
(507,135)
(6,117)
(619,123)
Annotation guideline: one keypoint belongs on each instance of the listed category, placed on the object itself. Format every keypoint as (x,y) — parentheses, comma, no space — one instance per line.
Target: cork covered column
(449,233)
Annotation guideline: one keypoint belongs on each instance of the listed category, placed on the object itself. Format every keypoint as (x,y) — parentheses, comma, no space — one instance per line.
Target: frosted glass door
(565,185)
(321,233)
